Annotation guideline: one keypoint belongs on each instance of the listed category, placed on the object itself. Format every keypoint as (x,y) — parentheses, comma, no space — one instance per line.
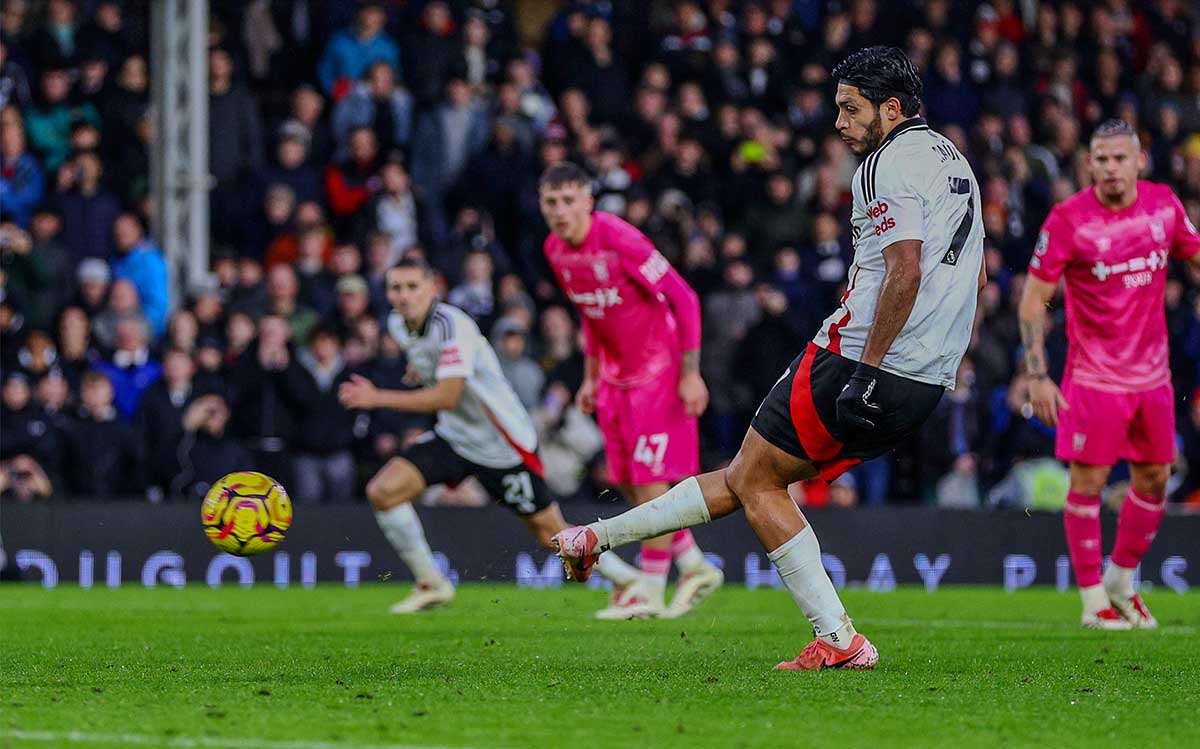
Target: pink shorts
(1101,427)
(648,436)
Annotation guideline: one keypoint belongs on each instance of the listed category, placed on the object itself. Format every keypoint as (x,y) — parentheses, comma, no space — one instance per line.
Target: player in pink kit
(1111,243)
(641,324)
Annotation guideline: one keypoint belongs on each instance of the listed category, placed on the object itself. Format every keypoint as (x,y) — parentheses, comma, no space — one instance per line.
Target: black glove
(855,407)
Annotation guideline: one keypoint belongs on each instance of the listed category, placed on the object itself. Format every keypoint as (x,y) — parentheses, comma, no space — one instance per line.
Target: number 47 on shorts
(651,448)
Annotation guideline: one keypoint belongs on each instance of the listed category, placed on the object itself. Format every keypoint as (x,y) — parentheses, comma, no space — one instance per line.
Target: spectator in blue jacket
(130,369)
(140,262)
(350,52)
(21,181)
(379,103)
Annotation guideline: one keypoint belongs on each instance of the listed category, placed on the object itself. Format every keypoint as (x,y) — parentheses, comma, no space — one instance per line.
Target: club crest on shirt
(1077,441)
(600,268)
(1157,230)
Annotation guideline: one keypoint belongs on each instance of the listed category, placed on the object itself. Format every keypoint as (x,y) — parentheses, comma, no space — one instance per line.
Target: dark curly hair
(881,73)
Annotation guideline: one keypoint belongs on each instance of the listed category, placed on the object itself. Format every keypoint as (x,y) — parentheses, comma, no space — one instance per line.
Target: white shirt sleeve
(459,340)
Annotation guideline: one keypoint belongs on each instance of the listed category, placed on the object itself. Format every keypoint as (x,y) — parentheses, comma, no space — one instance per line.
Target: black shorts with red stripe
(520,488)
(799,415)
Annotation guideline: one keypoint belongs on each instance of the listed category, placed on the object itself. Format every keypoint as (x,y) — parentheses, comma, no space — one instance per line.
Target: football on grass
(246,513)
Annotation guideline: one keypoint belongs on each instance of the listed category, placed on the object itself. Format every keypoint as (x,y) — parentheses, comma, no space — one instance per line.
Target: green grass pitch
(505,667)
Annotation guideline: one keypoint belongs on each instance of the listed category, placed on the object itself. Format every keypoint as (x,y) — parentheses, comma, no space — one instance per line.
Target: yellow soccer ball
(246,513)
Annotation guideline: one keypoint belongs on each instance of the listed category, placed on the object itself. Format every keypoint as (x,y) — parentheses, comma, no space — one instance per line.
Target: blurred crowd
(345,134)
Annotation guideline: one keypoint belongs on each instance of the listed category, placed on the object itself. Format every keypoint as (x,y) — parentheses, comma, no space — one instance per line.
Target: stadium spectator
(159,418)
(393,211)
(88,210)
(376,102)
(104,458)
(267,388)
(510,340)
(140,262)
(22,183)
(445,139)
(323,462)
(432,54)
(122,304)
(49,121)
(131,369)
(237,153)
(283,292)
(350,183)
(207,451)
(351,51)
(291,167)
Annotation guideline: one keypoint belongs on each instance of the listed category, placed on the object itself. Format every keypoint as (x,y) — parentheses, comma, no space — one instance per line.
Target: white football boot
(424,596)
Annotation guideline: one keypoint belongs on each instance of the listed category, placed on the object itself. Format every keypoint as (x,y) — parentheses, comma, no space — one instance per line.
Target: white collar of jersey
(424,325)
(913,123)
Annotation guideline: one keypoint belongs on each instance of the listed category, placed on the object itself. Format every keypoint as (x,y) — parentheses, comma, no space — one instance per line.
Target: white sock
(800,568)
(1118,580)
(403,529)
(680,507)
(691,560)
(615,569)
(1095,598)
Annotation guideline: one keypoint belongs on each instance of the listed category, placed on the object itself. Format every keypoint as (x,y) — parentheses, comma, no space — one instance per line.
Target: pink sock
(656,562)
(1081,519)
(1136,528)
(681,541)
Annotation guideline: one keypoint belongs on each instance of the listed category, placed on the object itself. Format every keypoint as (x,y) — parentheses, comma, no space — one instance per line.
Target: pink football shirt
(638,313)
(1115,265)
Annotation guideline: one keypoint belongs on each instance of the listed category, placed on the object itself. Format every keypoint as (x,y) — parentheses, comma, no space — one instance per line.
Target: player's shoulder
(901,161)
(616,231)
(1156,192)
(1075,206)
(448,323)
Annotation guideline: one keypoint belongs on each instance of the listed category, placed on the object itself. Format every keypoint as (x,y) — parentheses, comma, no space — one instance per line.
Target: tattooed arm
(1044,394)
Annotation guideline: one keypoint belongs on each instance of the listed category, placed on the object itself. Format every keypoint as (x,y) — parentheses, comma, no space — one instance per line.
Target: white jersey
(915,185)
(489,426)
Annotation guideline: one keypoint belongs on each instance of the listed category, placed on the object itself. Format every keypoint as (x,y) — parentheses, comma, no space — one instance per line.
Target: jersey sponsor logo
(886,225)
(655,267)
(878,209)
(450,356)
(1143,266)
(597,301)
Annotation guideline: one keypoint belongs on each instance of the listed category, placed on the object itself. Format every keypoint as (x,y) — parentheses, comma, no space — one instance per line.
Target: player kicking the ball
(1111,243)
(641,323)
(482,430)
(877,368)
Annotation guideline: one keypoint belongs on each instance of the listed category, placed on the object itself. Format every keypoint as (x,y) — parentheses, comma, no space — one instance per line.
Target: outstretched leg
(756,480)
(391,493)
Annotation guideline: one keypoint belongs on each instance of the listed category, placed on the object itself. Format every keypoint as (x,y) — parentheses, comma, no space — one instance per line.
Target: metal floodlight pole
(179,161)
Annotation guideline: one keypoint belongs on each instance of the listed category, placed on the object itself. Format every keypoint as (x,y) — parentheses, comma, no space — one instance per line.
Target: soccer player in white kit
(482,430)
(875,371)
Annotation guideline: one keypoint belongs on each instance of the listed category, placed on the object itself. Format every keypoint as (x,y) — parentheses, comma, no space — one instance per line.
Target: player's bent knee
(1151,480)
(396,483)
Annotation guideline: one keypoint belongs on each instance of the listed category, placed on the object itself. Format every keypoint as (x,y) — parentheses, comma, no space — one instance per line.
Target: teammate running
(877,368)
(482,430)
(1111,243)
(641,322)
